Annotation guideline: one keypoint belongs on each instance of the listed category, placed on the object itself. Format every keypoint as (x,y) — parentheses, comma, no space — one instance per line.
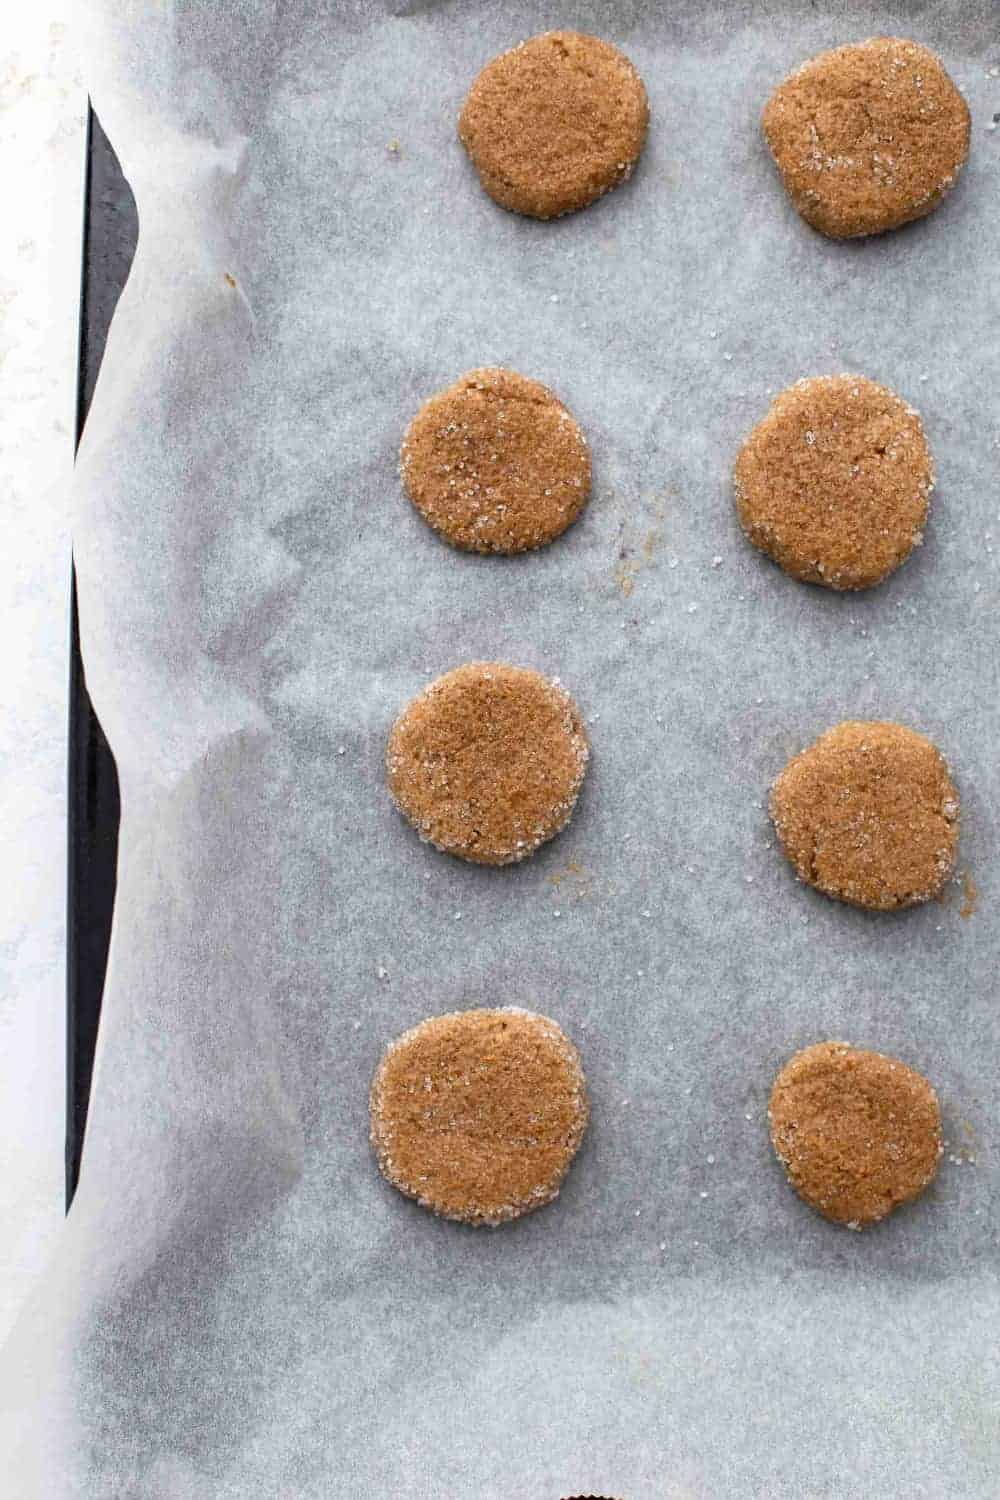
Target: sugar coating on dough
(496,463)
(858,1133)
(834,483)
(869,815)
(868,137)
(478,1114)
(554,123)
(488,761)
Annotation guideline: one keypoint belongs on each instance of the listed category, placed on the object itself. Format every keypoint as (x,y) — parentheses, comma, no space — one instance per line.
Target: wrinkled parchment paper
(241,1306)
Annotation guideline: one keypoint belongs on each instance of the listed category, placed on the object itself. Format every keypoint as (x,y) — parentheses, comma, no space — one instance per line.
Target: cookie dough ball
(868,137)
(834,484)
(477,1115)
(496,463)
(857,1133)
(869,815)
(488,761)
(554,123)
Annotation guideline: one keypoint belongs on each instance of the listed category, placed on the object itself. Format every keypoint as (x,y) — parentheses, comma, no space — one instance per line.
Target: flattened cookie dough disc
(869,815)
(834,484)
(554,123)
(478,1114)
(868,137)
(857,1133)
(488,761)
(496,463)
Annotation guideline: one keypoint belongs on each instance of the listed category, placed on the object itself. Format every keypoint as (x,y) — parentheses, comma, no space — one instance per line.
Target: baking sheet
(241,1305)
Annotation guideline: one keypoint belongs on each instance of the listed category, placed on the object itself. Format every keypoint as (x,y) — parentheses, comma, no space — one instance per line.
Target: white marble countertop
(42,118)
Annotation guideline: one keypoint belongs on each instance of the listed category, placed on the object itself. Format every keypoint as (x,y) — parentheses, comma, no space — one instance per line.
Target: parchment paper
(241,1306)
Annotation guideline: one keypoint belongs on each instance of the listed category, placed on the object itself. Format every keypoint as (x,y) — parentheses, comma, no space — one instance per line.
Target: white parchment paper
(241,1306)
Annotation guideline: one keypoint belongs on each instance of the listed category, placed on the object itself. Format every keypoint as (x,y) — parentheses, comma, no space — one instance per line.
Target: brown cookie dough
(857,1133)
(834,484)
(869,815)
(496,463)
(868,137)
(478,1114)
(554,123)
(488,761)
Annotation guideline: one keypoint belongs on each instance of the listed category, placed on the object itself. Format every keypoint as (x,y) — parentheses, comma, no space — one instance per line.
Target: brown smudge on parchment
(633,553)
(575,878)
(970,895)
(965,1150)
(624,575)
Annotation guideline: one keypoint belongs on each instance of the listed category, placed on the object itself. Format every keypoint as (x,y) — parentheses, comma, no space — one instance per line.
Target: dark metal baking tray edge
(110,234)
